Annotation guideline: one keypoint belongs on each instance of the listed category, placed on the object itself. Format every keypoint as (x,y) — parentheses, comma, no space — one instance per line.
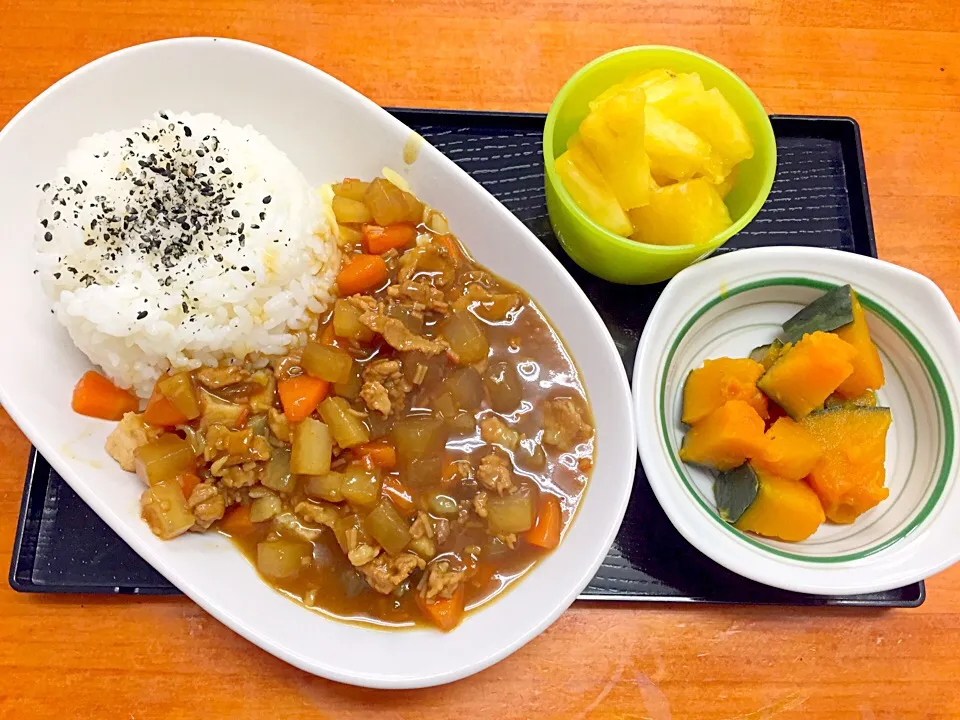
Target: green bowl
(619,259)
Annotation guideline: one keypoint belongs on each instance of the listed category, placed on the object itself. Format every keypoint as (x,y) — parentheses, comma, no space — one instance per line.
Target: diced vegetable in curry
(425,445)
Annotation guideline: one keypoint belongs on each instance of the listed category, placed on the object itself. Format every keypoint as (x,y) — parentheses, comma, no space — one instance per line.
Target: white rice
(187,241)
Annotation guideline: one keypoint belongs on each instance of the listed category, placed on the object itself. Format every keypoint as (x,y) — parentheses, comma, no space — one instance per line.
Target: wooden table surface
(891,64)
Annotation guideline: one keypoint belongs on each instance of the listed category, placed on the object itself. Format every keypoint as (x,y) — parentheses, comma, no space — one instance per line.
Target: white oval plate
(330,132)
(728,305)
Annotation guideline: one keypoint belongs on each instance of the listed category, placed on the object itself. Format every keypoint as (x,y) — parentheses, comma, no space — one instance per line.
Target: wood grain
(890,64)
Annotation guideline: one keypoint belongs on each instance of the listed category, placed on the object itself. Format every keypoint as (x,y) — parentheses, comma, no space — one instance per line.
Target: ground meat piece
(263,401)
(494,474)
(234,496)
(441,529)
(362,554)
(490,306)
(288,524)
(394,332)
(440,580)
(480,503)
(238,446)
(397,336)
(422,526)
(508,539)
(216,411)
(358,552)
(423,295)
(237,476)
(384,386)
(207,504)
(433,259)
(376,397)
(218,377)
(129,434)
(277,422)
(320,513)
(563,425)
(385,573)
(288,366)
(456,472)
(495,431)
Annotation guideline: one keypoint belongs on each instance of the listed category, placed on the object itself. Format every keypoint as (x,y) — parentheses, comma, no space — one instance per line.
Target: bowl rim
(635,246)
(885,565)
(579,574)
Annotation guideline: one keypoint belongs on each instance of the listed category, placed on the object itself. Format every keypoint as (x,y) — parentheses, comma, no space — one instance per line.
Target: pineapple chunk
(689,212)
(726,185)
(614,136)
(644,82)
(582,178)
(677,86)
(708,114)
(676,152)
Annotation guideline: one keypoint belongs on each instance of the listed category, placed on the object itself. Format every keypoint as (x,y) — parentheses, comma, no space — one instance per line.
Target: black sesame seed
(187,131)
(219,158)
(227,171)
(267,199)
(46,186)
(48,236)
(235,213)
(183,306)
(263,216)
(56,214)
(44,222)
(245,268)
(141,315)
(56,275)
(66,179)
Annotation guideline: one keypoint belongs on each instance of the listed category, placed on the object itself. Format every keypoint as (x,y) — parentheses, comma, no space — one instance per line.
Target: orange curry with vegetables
(426,445)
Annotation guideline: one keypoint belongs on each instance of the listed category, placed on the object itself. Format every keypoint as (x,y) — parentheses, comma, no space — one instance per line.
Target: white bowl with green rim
(726,306)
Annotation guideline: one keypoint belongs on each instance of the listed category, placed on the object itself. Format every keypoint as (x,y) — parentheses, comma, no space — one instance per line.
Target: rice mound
(187,241)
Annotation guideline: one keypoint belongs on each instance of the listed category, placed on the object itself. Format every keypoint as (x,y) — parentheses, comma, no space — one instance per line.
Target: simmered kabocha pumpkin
(725,438)
(867,369)
(804,377)
(767,355)
(849,476)
(868,399)
(718,381)
(823,453)
(785,509)
(790,452)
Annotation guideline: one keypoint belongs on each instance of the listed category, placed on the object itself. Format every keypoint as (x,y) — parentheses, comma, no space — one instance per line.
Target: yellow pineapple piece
(726,185)
(676,152)
(689,212)
(708,114)
(583,180)
(613,133)
(644,81)
(677,86)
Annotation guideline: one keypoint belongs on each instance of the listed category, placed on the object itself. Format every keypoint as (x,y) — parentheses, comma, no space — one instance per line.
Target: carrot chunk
(95,396)
(362,273)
